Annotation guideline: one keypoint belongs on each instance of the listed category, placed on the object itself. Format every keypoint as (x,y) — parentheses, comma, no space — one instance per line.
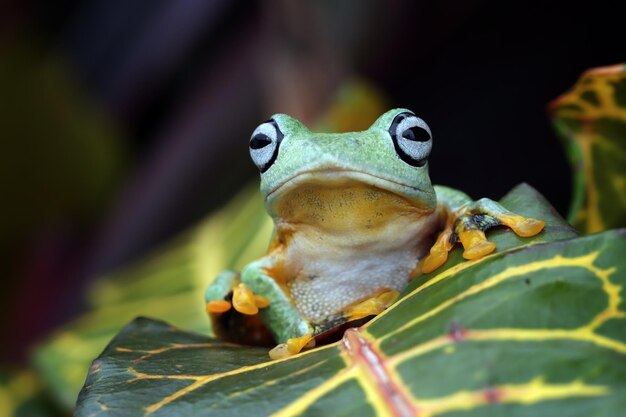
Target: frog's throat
(418,196)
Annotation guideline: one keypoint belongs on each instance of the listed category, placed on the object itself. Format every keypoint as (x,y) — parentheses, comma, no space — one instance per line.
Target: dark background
(125,122)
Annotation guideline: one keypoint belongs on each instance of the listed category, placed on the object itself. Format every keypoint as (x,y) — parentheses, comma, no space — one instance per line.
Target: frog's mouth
(343,202)
(340,178)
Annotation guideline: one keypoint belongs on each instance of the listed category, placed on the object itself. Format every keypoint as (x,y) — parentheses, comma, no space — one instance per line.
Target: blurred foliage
(532,329)
(591,121)
(50,134)
(61,160)
(167,286)
(22,395)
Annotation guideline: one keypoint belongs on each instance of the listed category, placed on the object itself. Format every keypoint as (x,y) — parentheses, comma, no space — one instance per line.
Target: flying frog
(355,219)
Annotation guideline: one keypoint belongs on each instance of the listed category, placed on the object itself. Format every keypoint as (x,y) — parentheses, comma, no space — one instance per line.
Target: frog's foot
(468,225)
(372,306)
(226,287)
(292,347)
(246,302)
(217,295)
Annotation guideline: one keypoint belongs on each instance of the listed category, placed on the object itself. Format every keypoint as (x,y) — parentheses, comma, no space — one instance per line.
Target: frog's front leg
(228,291)
(255,291)
(467,220)
(290,329)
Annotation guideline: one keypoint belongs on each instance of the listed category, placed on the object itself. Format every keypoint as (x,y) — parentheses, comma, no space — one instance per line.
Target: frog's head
(392,156)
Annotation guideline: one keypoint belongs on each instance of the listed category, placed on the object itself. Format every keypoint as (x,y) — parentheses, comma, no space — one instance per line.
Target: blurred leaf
(534,329)
(169,285)
(61,157)
(22,395)
(591,120)
(357,104)
(60,161)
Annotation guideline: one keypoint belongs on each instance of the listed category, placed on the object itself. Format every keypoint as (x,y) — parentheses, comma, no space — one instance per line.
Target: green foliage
(535,329)
(22,395)
(591,121)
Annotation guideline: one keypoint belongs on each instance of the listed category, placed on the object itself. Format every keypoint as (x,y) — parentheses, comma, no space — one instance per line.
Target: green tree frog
(356,218)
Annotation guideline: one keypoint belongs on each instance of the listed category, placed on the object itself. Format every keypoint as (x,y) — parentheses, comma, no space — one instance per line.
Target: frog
(356,218)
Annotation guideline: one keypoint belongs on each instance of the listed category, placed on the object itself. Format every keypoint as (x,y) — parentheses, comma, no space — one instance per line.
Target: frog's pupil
(416,134)
(259,141)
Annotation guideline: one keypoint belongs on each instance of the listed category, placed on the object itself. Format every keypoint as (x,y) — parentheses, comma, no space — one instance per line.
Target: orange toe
(479,249)
(292,347)
(372,306)
(475,243)
(296,344)
(434,260)
(528,227)
(244,301)
(218,306)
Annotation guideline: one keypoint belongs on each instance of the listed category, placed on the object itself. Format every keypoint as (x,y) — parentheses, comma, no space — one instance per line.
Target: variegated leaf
(537,328)
(591,120)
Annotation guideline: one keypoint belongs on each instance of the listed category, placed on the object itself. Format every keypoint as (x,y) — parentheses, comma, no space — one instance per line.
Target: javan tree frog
(355,215)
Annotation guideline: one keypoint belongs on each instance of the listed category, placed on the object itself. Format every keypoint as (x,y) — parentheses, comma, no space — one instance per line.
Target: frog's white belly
(332,272)
(318,295)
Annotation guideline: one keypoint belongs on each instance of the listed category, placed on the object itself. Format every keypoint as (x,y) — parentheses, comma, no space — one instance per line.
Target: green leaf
(537,330)
(591,121)
(534,328)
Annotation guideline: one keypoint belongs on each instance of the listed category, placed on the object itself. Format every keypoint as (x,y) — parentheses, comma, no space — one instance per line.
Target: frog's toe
(479,250)
(523,226)
(434,260)
(292,347)
(218,306)
(246,302)
(439,251)
(372,306)
(475,244)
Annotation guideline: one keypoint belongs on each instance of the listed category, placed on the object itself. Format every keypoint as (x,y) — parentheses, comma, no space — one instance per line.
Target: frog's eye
(412,138)
(264,144)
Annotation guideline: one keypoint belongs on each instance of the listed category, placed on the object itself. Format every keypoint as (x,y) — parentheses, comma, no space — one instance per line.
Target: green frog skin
(356,218)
